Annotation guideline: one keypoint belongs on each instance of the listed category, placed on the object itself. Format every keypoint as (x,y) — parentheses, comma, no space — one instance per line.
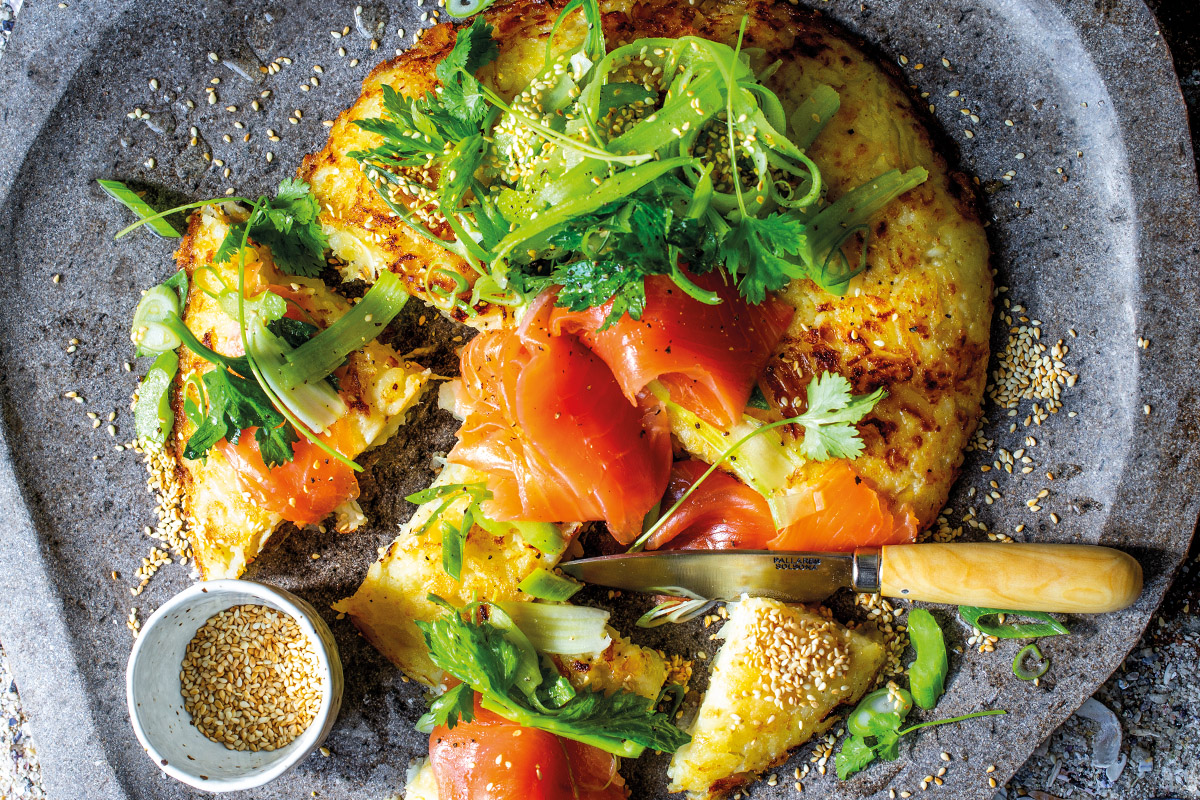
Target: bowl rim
(308,740)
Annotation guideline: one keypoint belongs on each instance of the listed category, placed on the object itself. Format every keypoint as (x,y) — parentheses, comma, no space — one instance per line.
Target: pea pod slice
(927,673)
(545,584)
(1046,626)
(153,418)
(881,710)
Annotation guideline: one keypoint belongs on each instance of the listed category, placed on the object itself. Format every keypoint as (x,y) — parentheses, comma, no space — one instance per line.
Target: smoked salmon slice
(722,513)
(491,758)
(304,490)
(835,511)
(707,356)
(546,420)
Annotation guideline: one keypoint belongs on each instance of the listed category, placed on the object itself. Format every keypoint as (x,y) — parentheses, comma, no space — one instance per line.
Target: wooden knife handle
(1069,578)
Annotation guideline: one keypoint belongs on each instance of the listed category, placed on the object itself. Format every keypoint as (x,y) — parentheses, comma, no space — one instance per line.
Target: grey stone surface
(1109,250)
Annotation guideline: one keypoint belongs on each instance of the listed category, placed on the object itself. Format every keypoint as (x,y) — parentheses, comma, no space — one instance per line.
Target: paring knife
(1068,578)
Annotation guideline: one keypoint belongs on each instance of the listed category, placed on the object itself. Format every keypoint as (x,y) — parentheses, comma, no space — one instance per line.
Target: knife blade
(795,577)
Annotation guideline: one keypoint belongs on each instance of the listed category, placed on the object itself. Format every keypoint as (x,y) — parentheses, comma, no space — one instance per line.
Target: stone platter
(1097,232)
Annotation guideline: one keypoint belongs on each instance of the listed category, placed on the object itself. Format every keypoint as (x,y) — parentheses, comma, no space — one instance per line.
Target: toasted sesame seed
(277,693)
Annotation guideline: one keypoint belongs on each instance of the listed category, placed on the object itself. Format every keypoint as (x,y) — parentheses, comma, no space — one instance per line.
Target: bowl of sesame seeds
(232,683)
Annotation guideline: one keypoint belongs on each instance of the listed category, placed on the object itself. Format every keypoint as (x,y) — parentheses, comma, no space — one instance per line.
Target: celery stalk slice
(321,355)
(811,116)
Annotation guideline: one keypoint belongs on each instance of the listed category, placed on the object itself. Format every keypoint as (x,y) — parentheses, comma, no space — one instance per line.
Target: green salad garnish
(663,157)
(482,646)
(283,386)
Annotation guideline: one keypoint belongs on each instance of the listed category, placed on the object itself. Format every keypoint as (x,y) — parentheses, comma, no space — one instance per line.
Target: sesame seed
(277,692)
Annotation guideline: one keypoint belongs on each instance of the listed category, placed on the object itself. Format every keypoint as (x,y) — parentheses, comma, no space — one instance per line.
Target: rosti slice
(915,322)
(226,529)
(775,680)
(395,592)
(395,595)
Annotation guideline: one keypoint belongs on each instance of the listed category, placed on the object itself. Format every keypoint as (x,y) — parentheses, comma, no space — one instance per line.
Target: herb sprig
(284,385)
(288,225)
(830,419)
(481,646)
(873,729)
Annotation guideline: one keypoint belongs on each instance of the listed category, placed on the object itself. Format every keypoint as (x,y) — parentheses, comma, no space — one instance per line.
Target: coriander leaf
(854,756)
(294,234)
(887,745)
(832,413)
(288,225)
(293,331)
(473,48)
(235,404)
(467,102)
(750,253)
(448,708)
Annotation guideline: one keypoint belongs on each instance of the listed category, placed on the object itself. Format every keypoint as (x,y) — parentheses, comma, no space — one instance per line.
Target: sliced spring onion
(149,330)
(131,200)
(454,542)
(675,610)
(153,418)
(321,355)
(981,618)
(544,584)
(461,9)
(1042,663)
(186,207)
(811,116)
(545,536)
(561,629)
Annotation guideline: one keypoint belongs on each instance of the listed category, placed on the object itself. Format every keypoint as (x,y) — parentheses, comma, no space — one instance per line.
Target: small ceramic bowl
(163,725)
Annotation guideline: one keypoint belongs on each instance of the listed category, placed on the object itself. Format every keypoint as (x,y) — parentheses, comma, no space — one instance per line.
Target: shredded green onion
(676,610)
(545,584)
